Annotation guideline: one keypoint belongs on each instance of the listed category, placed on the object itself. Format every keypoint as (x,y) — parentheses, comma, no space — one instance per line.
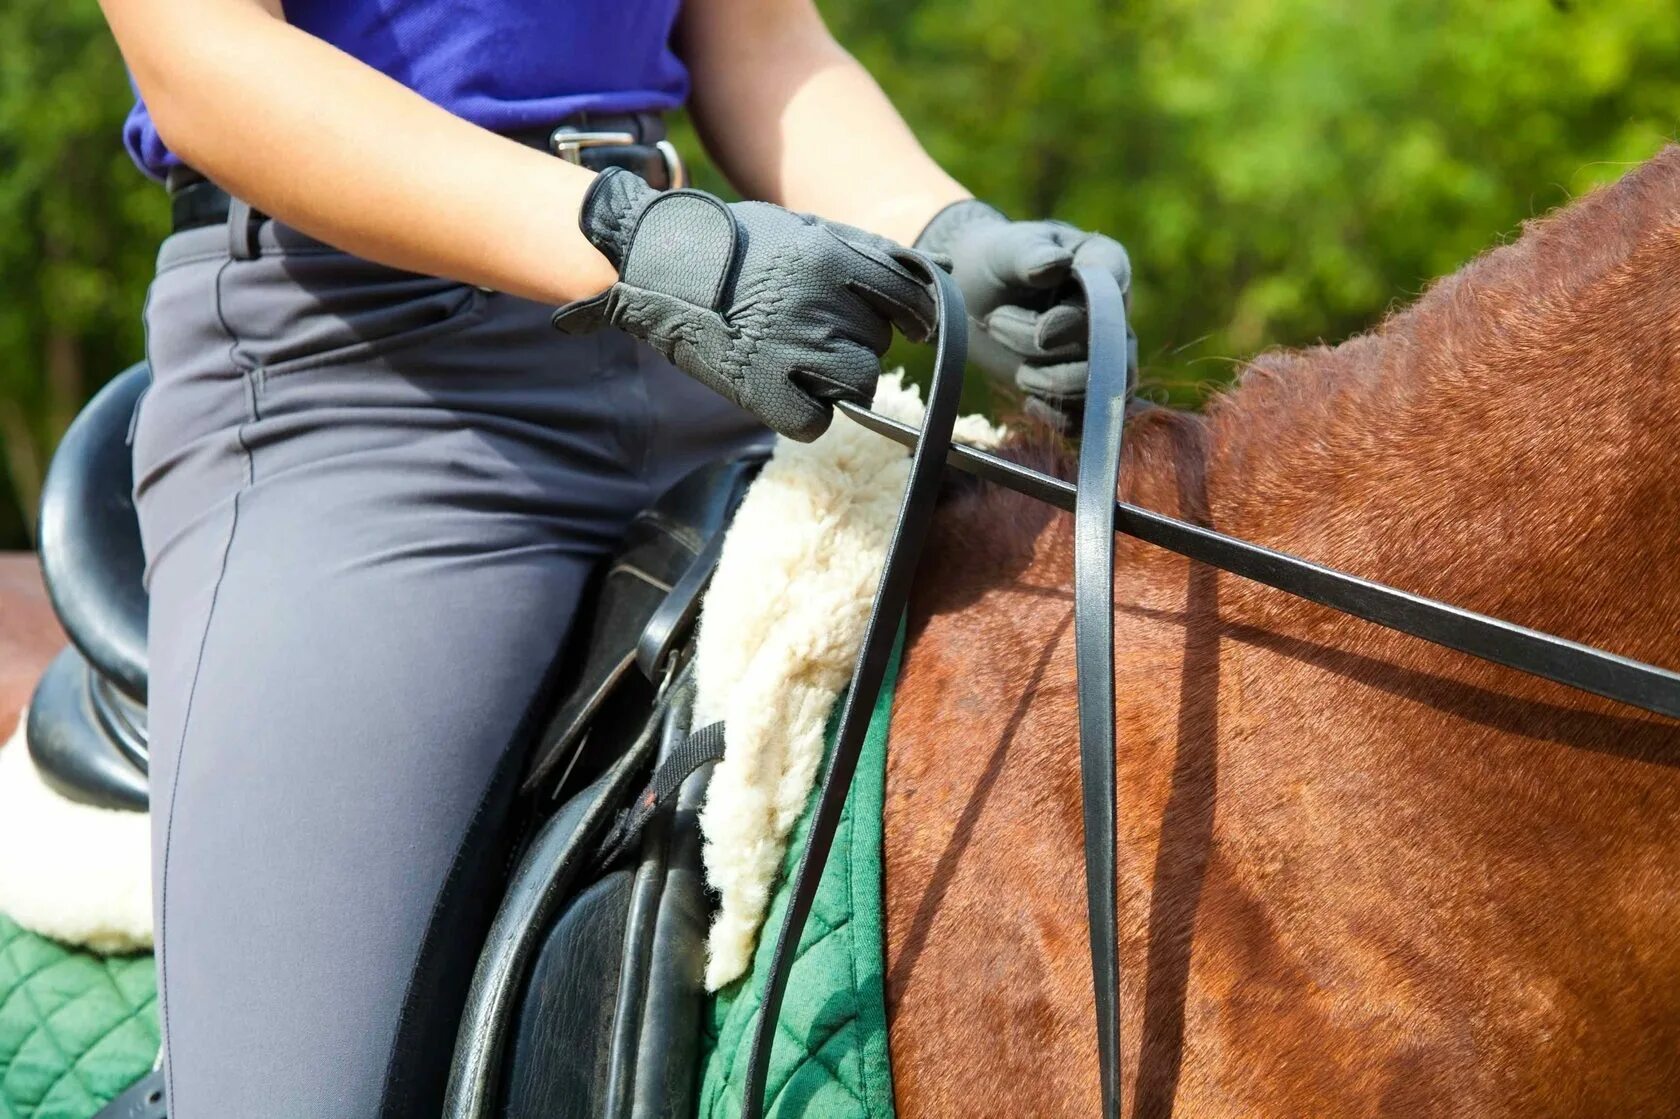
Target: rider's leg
(369,502)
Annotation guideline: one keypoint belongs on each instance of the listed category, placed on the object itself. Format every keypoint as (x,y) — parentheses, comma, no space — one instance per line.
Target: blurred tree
(78,231)
(1283,171)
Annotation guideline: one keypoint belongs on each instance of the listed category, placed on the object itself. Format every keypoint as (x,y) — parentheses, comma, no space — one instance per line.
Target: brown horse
(29,635)
(1359,874)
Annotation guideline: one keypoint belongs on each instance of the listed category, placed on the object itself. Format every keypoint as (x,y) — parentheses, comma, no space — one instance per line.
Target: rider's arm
(316,138)
(792,118)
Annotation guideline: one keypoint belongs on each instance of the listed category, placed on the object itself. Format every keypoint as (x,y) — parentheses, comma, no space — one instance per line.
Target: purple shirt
(502,64)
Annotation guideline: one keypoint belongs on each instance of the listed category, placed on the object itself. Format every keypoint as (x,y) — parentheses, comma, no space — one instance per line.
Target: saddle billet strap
(1648,687)
(892,594)
(674,617)
(1106,391)
(670,777)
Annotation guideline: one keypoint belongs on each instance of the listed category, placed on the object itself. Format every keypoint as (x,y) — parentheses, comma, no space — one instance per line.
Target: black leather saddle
(87,718)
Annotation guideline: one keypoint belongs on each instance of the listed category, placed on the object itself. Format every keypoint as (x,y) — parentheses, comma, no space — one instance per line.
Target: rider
(372,477)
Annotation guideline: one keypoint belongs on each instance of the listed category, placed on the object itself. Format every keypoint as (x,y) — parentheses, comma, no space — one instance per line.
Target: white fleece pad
(71,871)
(780,628)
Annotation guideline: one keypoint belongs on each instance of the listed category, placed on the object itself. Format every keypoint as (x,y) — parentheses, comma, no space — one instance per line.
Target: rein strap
(1093,639)
(915,516)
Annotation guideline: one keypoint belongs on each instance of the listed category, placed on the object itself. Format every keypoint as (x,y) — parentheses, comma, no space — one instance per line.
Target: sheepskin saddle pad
(78,992)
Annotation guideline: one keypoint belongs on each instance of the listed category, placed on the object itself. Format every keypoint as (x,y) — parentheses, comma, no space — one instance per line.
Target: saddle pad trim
(831,1056)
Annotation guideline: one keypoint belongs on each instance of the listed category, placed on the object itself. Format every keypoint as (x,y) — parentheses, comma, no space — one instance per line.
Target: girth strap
(915,514)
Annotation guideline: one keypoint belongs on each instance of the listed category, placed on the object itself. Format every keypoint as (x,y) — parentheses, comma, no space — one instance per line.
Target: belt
(634,141)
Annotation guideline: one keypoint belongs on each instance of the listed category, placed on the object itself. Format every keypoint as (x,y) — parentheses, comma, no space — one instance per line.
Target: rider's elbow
(193,64)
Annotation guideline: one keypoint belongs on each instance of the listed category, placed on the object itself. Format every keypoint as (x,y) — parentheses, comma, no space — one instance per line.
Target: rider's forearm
(792,118)
(325,143)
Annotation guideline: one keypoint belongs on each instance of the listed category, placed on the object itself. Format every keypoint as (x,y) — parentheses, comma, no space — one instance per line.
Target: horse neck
(1508,443)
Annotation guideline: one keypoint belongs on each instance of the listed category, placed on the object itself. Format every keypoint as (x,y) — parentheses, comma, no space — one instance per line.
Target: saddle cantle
(87,718)
(90,536)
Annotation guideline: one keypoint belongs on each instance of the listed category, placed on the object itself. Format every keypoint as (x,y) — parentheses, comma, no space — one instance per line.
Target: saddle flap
(666,550)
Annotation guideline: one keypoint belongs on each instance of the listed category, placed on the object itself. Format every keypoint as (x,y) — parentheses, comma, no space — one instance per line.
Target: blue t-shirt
(502,64)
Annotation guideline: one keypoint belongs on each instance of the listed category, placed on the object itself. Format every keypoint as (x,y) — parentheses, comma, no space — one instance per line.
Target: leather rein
(1097,516)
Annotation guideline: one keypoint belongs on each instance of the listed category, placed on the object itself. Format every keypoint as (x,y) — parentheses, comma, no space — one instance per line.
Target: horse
(29,635)
(1359,874)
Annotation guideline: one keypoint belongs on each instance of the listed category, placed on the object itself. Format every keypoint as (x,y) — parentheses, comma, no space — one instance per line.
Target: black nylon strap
(915,514)
(1093,636)
(702,746)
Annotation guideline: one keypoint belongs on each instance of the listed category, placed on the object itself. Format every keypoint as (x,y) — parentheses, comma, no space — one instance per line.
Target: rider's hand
(1026,320)
(782,313)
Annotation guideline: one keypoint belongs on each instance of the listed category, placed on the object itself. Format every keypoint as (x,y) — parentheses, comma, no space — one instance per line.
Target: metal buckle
(674,169)
(568,144)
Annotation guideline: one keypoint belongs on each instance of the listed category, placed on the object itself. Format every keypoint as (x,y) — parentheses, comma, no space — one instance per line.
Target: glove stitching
(620,207)
(751,332)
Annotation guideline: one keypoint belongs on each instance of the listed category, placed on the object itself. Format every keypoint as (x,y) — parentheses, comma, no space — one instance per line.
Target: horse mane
(1548,367)
(1584,304)
(1575,248)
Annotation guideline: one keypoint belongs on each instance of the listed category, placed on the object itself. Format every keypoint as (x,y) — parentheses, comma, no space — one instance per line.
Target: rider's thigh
(364,553)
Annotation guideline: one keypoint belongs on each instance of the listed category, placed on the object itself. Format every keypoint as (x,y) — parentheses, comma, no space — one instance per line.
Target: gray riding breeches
(369,502)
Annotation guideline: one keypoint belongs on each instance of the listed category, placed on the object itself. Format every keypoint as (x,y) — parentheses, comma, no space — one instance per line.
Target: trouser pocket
(294,309)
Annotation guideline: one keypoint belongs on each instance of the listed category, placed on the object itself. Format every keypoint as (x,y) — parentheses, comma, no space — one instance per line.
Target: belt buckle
(568,144)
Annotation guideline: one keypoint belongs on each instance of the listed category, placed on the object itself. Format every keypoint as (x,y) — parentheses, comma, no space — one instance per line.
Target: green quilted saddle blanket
(830,1054)
(75,1028)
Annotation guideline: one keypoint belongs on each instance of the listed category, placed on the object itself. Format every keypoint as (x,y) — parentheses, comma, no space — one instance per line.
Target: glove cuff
(609,211)
(949,224)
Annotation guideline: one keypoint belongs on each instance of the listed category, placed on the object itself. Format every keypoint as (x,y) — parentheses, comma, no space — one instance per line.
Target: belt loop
(242,230)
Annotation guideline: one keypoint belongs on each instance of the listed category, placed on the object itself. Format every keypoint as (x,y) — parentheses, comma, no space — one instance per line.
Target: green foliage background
(1283,171)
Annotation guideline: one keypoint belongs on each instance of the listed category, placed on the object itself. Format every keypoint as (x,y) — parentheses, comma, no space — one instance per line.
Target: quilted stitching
(830,1057)
(75,1029)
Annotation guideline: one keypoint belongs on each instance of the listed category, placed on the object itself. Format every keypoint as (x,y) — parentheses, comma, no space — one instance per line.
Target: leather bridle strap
(1093,638)
(915,515)
(1646,686)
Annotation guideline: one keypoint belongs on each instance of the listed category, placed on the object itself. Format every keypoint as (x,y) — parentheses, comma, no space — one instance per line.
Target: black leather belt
(634,141)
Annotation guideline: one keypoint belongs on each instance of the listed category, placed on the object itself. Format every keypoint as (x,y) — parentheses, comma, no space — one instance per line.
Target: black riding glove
(782,313)
(1026,318)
